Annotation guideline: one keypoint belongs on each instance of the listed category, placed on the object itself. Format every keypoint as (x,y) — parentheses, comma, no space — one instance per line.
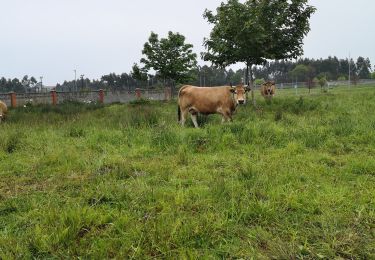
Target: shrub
(322,82)
(140,101)
(258,82)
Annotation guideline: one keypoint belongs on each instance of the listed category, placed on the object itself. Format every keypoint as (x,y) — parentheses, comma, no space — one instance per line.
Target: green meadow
(292,179)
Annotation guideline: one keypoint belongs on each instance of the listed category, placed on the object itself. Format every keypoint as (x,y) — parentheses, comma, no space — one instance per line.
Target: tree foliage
(300,72)
(332,68)
(139,73)
(363,68)
(170,57)
(256,30)
(26,84)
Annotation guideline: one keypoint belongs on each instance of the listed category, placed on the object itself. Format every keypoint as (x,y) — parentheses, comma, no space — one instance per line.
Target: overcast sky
(51,38)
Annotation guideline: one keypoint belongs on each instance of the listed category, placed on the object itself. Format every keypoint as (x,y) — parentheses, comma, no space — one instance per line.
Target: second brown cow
(268,90)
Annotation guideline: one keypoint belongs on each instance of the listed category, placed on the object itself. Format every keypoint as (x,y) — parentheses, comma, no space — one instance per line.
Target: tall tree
(110,80)
(255,31)
(353,71)
(170,57)
(139,73)
(363,68)
(299,73)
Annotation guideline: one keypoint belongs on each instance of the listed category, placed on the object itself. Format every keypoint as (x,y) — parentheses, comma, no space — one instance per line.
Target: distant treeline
(305,69)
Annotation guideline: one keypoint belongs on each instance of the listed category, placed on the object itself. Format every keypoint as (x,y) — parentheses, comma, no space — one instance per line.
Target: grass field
(292,179)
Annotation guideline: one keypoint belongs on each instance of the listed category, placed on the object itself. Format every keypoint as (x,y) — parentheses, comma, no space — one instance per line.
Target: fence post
(54,97)
(101,96)
(138,93)
(13,99)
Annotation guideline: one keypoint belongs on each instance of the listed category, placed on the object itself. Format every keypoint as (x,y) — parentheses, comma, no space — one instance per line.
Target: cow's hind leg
(184,114)
(194,114)
(194,118)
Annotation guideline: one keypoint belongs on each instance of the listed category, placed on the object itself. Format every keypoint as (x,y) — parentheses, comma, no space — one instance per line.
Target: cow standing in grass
(268,90)
(3,110)
(209,100)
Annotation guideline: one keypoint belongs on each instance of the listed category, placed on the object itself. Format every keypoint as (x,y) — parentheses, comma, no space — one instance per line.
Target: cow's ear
(233,90)
(247,88)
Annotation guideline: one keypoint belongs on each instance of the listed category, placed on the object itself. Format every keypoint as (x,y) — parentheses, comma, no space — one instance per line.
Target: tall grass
(291,179)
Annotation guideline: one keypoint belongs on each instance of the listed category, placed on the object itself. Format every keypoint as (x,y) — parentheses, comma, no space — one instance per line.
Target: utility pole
(200,75)
(75,80)
(41,83)
(349,69)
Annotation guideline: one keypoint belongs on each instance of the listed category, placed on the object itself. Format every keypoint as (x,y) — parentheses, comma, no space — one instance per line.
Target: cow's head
(239,92)
(269,88)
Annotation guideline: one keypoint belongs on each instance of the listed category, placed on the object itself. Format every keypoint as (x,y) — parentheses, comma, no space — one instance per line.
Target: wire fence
(126,96)
(330,84)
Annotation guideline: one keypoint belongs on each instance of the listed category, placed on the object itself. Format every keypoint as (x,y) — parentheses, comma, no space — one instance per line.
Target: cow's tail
(178,102)
(179,113)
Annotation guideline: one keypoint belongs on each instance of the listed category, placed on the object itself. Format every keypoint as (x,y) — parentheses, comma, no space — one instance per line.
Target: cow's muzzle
(241,102)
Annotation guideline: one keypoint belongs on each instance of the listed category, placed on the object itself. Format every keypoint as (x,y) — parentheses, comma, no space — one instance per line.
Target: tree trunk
(246,75)
(251,84)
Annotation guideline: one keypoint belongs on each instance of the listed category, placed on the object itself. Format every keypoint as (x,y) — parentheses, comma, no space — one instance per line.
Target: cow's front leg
(226,117)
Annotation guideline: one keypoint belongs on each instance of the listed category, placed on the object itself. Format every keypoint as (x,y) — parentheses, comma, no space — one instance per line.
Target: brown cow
(3,110)
(209,100)
(268,90)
